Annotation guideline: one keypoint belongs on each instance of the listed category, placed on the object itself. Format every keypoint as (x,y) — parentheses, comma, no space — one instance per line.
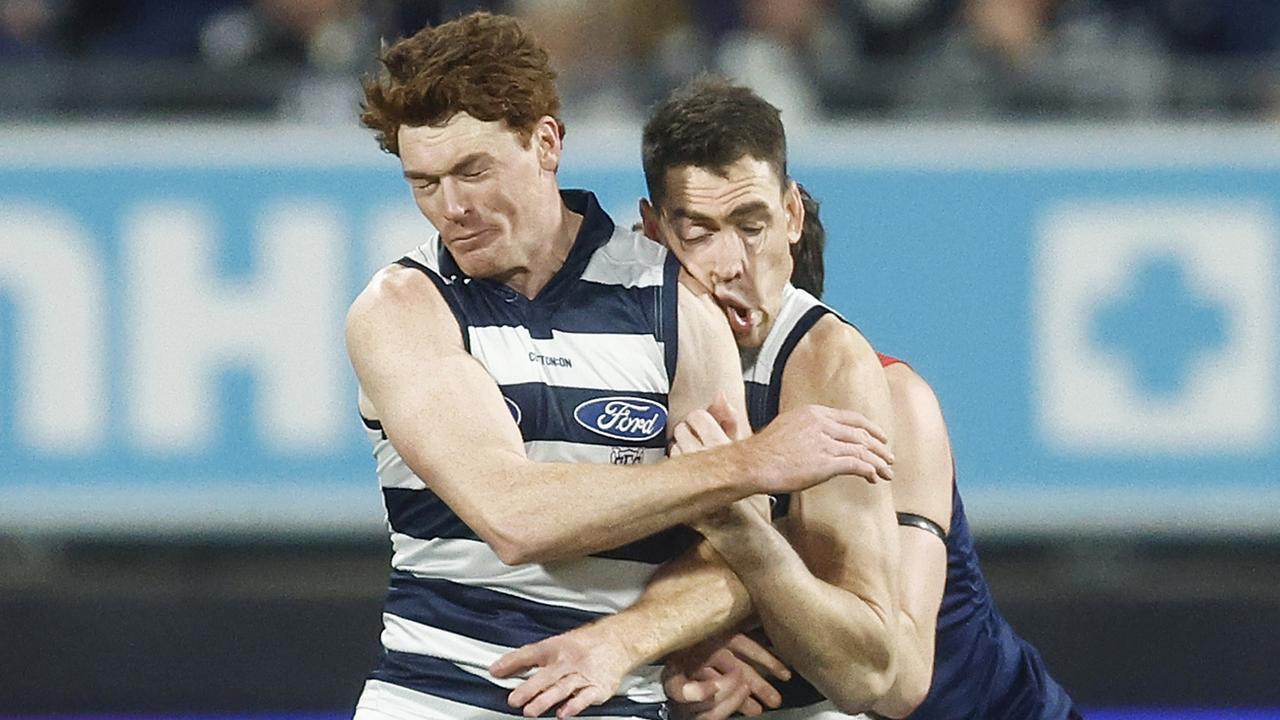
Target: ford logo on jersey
(622,418)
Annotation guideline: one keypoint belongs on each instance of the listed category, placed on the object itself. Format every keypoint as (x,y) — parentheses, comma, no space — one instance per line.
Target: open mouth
(742,319)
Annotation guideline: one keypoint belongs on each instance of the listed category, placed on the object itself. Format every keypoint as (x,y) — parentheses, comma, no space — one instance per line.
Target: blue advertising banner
(1102,328)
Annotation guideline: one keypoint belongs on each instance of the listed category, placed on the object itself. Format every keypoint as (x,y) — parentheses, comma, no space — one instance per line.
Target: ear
(793,204)
(547,142)
(649,219)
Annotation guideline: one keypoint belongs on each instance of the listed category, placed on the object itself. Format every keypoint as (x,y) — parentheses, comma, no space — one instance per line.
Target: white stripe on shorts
(384,701)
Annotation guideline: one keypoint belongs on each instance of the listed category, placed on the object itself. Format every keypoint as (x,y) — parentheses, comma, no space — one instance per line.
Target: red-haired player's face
(478,183)
(733,233)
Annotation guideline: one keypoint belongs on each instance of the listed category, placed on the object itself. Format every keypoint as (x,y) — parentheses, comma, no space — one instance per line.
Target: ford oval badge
(622,418)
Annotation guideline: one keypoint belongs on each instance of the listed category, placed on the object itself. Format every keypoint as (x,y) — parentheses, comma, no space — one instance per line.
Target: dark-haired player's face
(733,232)
(473,180)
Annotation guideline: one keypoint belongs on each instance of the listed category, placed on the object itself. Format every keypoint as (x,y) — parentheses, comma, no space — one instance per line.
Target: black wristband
(923,523)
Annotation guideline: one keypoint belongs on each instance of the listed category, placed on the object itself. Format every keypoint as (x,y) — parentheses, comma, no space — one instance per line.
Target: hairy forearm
(688,600)
(537,512)
(839,641)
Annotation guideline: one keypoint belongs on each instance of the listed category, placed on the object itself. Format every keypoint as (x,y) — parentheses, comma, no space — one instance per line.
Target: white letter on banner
(285,322)
(49,266)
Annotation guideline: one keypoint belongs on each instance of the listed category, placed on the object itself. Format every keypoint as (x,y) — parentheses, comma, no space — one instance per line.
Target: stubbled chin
(751,341)
(752,338)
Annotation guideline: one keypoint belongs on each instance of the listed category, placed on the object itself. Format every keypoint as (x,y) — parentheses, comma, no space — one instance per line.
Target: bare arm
(689,600)
(446,417)
(692,599)
(924,487)
(827,597)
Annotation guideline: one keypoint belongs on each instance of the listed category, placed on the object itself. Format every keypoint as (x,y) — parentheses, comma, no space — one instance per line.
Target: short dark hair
(487,66)
(710,123)
(808,270)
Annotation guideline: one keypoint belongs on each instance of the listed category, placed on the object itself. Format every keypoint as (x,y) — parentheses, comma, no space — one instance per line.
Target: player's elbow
(510,553)
(516,541)
(510,540)
(873,681)
(525,552)
(908,694)
(868,678)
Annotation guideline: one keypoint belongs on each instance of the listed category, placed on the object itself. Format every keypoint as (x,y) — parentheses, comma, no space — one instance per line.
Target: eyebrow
(457,167)
(741,212)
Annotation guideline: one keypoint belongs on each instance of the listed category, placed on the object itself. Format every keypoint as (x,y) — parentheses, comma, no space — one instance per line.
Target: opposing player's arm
(826,598)
(446,417)
(922,486)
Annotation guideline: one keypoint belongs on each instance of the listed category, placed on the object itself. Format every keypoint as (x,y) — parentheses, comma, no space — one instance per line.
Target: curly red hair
(485,65)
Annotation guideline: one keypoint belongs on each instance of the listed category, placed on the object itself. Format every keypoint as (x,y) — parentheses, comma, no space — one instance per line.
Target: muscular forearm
(537,512)
(913,669)
(689,600)
(839,641)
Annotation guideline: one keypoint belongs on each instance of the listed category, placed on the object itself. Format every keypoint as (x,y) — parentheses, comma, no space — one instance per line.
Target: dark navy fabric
(669,327)
(763,400)
(422,514)
(478,612)
(567,303)
(443,679)
(547,413)
(981,668)
(758,405)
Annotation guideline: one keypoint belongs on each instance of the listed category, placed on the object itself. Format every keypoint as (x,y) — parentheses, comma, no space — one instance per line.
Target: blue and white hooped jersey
(763,375)
(585,369)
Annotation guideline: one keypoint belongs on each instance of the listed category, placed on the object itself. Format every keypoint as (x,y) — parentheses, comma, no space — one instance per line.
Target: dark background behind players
(825,58)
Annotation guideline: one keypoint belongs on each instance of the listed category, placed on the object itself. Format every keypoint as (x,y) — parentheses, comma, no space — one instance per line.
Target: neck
(553,239)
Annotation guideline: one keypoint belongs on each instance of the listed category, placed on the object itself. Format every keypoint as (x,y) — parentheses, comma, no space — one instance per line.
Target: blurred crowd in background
(818,59)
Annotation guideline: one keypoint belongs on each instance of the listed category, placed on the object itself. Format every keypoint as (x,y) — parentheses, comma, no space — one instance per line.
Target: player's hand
(718,424)
(576,670)
(727,680)
(812,444)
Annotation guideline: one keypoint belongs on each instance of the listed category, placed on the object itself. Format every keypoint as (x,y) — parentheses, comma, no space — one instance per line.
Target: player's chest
(581,389)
